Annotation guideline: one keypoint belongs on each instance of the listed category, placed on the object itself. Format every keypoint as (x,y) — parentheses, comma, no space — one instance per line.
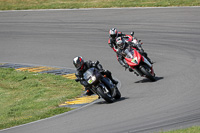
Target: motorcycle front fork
(95,92)
(137,72)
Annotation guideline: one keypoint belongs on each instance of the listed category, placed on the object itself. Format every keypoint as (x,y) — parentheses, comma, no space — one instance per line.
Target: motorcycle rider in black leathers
(82,66)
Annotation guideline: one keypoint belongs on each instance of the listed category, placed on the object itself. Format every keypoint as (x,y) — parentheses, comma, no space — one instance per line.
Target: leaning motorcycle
(101,85)
(139,64)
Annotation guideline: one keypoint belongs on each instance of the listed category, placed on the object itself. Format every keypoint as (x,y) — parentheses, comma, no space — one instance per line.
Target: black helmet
(120,42)
(78,62)
(113,33)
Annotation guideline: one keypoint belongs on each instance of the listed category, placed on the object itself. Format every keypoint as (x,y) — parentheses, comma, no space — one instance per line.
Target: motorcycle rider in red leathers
(113,35)
(82,66)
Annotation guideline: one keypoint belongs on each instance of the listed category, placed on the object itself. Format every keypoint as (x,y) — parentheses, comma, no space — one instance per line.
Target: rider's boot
(130,69)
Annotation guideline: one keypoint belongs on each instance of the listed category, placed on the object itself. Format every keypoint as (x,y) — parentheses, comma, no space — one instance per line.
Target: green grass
(26,97)
(70,4)
(194,129)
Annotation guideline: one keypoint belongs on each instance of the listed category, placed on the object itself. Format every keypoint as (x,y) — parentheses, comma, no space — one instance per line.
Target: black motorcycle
(101,85)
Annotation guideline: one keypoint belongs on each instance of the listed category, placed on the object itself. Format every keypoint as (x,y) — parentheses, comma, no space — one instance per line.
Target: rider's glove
(126,66)
(78,79)
(96,63)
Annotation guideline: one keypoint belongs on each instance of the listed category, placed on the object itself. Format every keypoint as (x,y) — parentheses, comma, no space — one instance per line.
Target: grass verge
(27,97)
(194,129)
(70,4)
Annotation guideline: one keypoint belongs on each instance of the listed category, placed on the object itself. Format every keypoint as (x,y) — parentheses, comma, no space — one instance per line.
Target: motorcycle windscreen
(88,73)
(133,57)
(92,76)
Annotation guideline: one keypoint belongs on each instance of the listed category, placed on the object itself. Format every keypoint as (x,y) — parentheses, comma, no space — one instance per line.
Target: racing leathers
(112,41)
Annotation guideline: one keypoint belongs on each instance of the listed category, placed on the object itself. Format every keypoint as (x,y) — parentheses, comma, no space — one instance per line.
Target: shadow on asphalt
(118,100)
(147,80)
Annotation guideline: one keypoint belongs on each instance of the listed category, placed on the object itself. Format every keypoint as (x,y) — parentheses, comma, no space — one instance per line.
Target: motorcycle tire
(107,97)
(118,94)
(145,70)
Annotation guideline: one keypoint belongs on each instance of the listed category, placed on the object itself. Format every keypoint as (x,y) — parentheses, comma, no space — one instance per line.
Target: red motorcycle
(139,64)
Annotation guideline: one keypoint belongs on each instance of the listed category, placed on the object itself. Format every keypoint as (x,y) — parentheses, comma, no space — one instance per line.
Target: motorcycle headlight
(91,79)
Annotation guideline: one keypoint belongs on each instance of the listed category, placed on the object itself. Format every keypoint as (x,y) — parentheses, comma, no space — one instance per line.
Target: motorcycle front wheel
(105,95)
(146,71)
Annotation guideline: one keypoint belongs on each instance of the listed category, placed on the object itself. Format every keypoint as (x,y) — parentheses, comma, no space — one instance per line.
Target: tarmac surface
(171,37)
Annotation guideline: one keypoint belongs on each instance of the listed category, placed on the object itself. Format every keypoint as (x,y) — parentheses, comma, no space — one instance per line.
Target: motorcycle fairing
(107,82)
(147,62)
(135,60)
(91,75)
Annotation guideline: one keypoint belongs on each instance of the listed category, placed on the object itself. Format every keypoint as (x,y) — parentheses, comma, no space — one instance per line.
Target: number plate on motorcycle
(90,81)
(134,60)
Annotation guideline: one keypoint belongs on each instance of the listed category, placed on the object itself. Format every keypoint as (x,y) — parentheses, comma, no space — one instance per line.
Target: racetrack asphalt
(171,37)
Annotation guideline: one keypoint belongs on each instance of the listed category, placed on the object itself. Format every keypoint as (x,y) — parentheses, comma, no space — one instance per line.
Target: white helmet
(120,42)
(113,33)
